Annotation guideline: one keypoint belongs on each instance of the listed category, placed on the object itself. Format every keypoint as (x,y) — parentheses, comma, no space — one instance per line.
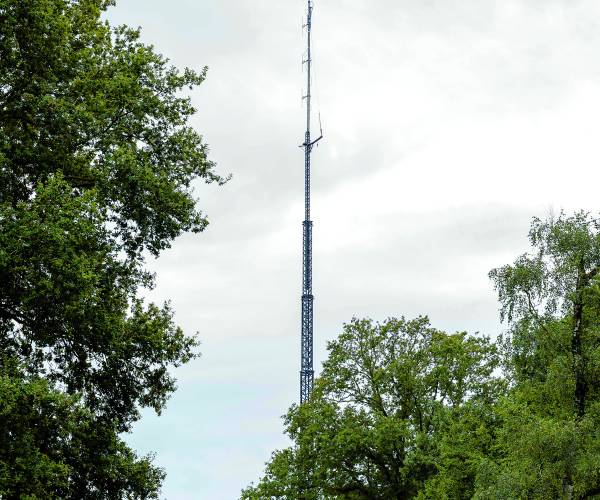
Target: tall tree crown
(98,163)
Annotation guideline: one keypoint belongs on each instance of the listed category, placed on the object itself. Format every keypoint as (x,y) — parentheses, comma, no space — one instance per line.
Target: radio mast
(306,322)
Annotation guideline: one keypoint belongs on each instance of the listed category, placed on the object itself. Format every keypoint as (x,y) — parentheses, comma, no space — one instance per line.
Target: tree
(373,426)
(402,410)
(549,444)
(97,162)
(57,449)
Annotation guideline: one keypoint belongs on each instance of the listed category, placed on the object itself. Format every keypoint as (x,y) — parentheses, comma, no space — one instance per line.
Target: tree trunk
(576,349)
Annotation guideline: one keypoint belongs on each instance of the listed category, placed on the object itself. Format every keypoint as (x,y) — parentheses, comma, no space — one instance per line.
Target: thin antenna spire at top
(306,321)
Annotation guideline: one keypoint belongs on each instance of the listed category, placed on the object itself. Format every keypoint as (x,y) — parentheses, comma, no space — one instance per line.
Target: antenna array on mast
(306,322)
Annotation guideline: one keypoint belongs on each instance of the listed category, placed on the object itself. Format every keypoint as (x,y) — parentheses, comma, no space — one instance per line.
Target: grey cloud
(427,91)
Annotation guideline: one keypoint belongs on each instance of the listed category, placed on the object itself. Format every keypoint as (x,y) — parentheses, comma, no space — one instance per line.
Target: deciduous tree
(372,427)
(551,299)
(97,162)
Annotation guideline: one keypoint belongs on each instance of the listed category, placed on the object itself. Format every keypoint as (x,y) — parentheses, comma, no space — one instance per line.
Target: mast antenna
(306,321)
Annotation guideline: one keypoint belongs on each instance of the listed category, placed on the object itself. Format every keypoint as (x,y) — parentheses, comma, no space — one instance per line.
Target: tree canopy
(402,410)
(97,165)
(372,427)
(549,441)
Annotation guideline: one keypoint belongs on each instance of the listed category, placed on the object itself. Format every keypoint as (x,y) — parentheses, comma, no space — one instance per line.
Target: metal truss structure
(306,322)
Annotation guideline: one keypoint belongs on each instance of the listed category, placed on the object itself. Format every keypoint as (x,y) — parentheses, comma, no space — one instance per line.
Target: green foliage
(97,161)
(404,411)
(540,456)
(94,103)
(372,426)
(51,446)
(548,444)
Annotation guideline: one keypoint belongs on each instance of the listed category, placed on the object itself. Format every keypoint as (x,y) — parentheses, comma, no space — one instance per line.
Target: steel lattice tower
(306,321)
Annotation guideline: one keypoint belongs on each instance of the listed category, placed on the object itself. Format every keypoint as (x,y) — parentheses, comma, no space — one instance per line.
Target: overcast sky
(448,124)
